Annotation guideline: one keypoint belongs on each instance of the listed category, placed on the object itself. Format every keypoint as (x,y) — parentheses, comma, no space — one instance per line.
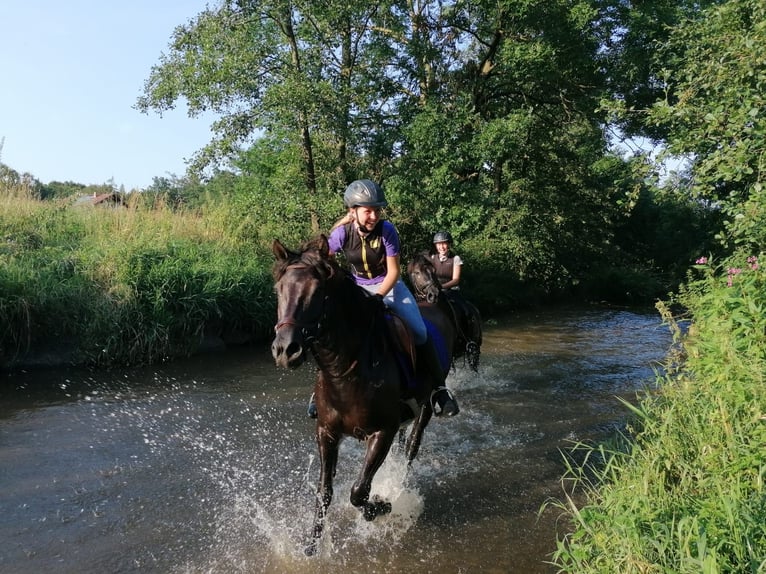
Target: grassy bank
(683,491)
(127,285)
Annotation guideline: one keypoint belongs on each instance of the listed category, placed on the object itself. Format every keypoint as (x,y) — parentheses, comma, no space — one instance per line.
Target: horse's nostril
(293,350)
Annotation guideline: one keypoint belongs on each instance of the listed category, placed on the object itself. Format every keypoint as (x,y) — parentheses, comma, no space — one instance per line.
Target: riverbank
(683,489)
(125,286)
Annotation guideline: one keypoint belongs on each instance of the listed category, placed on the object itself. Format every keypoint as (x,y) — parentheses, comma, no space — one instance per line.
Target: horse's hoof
(311,410)
(447,403)
(376,507)
(311,549)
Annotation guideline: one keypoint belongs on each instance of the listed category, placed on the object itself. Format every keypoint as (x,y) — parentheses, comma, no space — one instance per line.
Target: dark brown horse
(362,387)
(465,316)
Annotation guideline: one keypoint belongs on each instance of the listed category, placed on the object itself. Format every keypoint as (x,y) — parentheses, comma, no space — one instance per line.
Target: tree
(295,70)
(59,189)
(512,153)
(718,116)
(480,117)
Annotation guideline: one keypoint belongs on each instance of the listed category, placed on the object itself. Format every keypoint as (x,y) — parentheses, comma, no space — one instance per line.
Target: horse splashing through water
(465,316)
(362,387)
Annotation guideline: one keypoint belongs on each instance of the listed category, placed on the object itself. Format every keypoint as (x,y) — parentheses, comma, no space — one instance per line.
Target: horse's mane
(422,258)
(311,253)
(315,253)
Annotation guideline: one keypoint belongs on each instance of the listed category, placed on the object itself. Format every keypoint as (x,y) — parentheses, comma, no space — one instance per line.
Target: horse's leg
(378,445)
(401,441)
(328,455)
(473,334)
(416,435)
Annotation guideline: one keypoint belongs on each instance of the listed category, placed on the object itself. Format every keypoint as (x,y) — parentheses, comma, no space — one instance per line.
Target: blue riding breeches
(401,302)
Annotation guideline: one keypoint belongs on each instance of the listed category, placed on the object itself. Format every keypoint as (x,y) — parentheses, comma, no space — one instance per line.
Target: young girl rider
(372,249)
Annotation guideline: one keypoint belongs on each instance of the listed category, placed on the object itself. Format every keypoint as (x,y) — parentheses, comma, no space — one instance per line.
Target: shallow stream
(209,464)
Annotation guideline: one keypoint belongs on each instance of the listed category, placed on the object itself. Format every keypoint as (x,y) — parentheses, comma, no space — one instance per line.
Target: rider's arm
(336,239)
(455,277)
(392,274)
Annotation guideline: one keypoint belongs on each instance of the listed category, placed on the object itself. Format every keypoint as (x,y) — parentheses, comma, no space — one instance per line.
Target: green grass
(126,286)
(683,490)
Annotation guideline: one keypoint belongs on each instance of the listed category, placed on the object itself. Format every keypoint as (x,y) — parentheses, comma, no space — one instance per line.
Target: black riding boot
(312,410)
(430,366)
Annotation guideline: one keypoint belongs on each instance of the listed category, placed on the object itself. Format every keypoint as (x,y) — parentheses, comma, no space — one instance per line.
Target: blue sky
(71,72)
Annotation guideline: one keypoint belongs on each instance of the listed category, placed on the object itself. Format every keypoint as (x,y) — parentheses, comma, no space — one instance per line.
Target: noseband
(424,291)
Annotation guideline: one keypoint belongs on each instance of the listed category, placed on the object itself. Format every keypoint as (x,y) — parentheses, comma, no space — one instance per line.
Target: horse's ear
(280,251)
(322,245)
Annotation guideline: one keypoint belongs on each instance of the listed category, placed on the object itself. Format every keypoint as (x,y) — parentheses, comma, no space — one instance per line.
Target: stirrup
(311,411)
(447,406)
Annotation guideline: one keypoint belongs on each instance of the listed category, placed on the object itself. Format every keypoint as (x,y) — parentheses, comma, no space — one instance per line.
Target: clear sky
(70,72)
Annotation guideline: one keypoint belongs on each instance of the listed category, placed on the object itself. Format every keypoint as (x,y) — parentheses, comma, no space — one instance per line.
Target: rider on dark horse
(372,250)
(448,268)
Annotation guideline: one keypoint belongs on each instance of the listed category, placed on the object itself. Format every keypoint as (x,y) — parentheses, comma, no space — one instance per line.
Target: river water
(209,465)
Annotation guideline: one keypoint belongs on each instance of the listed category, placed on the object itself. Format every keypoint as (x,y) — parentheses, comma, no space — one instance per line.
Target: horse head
(422,274)
(300,280)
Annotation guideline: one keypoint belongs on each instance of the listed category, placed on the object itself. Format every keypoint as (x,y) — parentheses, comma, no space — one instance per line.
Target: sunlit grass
(684,490)
(125,285)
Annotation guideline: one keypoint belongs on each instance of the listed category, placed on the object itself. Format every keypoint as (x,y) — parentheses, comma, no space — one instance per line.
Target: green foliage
(166,296)
(269,205)
(58,190)
(718,117)
(125,286)
(14,184)
(481,118)
(685,491)
(663,232)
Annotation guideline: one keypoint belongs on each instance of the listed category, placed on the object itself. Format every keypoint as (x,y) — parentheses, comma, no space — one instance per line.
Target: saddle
(402,341)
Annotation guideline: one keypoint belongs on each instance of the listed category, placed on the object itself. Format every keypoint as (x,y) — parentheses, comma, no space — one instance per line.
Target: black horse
(363,386)
(465,316)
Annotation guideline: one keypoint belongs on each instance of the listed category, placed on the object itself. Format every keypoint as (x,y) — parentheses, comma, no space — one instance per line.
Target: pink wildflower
(701,261)
(732,271)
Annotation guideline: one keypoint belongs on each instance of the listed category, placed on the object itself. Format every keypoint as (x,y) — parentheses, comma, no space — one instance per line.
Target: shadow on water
(209,465)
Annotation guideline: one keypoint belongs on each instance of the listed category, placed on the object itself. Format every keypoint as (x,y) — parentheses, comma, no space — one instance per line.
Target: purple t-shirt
(385,230)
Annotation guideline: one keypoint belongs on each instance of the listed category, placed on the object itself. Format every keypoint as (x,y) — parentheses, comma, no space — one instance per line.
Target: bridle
(424,291)
(310,330)
(313,331)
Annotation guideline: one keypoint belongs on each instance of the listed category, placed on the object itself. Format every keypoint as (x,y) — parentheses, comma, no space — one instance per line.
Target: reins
(312,331)
(420,292)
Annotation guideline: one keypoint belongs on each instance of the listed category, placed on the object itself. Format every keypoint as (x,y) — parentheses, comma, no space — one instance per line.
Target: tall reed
(125,285)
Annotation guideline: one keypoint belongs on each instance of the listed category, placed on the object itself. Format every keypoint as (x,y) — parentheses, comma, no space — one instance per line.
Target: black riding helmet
(442,236)
(364,193)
